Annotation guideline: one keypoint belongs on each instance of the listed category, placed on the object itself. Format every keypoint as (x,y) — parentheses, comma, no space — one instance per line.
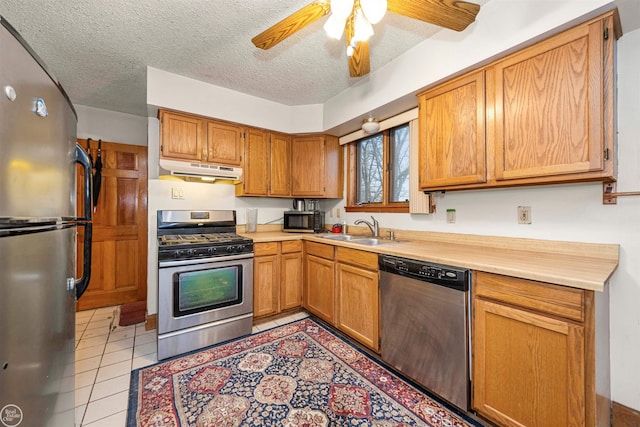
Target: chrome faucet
(375,231)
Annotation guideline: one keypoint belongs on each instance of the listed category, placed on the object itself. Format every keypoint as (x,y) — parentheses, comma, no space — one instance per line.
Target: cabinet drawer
(364,259)
(319,249)
(289,246)
(267,248)
(542,297)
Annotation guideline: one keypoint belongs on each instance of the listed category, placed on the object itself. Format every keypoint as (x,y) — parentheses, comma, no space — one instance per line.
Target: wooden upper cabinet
(541,115)
(316,167)
(194,138)
(280,165)
(182,136)
(256,171)
(549,102)
(224,143)
(452,133)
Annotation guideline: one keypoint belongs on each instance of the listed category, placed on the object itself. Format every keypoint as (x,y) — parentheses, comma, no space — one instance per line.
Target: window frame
(352,177)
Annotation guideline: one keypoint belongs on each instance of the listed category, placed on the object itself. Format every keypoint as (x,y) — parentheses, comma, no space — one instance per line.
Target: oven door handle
(195,261)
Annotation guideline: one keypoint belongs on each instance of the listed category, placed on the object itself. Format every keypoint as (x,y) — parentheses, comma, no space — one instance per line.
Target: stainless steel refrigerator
(38,232)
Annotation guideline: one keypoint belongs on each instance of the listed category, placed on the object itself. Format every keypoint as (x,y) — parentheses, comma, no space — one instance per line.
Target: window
(379,172)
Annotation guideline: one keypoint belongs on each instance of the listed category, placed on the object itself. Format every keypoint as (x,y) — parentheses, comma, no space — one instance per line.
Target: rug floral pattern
(297,375)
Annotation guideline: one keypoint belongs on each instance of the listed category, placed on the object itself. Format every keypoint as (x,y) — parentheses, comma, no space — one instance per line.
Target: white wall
(111,126)
(560,212)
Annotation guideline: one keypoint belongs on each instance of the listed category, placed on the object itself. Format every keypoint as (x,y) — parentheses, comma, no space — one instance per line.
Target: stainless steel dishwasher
(425,321)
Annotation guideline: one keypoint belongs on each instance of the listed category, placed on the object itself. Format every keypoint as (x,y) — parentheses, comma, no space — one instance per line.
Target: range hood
(201,170)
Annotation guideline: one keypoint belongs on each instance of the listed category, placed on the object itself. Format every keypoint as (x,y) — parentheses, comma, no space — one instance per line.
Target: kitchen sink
(373,241)
(369,241)
(341,237)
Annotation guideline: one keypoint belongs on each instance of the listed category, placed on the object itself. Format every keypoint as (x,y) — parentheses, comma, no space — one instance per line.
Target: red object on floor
(133,313)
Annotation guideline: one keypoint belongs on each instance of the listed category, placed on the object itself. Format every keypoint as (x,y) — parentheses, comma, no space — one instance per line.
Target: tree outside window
(379,172)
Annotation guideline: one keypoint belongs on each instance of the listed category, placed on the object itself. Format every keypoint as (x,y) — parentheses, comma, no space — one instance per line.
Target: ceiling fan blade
(291,24)
(359,61)
(453,14)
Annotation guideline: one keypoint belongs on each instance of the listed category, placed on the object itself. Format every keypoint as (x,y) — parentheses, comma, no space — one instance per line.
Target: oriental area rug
(295,375)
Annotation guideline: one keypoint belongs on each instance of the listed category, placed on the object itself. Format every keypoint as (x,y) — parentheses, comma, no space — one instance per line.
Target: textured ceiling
(100,50)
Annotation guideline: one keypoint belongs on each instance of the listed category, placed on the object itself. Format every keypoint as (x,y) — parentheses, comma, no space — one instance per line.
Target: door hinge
(606,33)
(161,148)
(379,342)
(606,154)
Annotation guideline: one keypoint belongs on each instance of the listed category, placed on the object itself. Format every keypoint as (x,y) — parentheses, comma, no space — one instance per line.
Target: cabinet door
(280,162)
(319,287)
(256,170)
(528,369)
(182,136)
(548,101)
(308,156)
(265,285)
(224,143)
(358,303)
(291,280)
(452,133)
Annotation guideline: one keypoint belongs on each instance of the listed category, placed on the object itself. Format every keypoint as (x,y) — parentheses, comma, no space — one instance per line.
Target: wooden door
(182,136)
(256,170)
(319,286)
(529,369)
(291,275)
(308,166)
(224,143)
(280,162)
(358,303)
(452,149)
(119,249)
(266,274)
(549,105)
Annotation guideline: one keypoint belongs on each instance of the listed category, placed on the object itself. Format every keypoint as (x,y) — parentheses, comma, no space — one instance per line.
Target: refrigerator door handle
(83,282)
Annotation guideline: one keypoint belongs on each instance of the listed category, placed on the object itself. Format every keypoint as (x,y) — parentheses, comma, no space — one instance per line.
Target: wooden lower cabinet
(319,283)
(277,277)
(358,302)
(533,353)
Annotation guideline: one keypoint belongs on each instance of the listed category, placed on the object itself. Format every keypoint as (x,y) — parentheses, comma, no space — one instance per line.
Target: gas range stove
(184,235)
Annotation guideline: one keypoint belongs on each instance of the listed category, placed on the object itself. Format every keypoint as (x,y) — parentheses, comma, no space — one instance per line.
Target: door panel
(119,273)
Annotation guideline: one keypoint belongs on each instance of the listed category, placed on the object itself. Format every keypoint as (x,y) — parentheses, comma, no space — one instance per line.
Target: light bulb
(341,8)
(350,50)
(362,29)
(374,10)
(334,27)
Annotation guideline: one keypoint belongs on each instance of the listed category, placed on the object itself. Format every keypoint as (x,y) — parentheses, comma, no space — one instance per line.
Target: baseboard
(151,322)
(624,416)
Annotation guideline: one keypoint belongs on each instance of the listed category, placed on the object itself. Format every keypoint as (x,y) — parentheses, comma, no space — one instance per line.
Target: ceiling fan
(354,17)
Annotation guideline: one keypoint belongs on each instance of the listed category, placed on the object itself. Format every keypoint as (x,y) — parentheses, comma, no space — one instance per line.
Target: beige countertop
(578,265)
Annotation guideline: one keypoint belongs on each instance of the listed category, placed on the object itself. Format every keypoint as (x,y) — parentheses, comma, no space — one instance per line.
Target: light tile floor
(105,356)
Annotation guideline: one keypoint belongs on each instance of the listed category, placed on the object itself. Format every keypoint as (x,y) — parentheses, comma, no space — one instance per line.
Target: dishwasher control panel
(453,277)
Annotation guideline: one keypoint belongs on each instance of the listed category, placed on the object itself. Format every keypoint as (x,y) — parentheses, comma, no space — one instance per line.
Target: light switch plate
(177,193)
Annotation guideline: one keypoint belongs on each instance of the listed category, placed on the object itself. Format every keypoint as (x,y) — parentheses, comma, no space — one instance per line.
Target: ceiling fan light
(341,8)
(370,125)
(350,50)
(334,27)
(362,29)
(374,10)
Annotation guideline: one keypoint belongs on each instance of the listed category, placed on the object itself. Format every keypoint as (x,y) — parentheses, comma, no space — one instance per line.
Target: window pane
(399,176)
(370,170)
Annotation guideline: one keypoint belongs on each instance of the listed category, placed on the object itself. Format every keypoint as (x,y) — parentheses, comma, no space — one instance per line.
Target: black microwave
(303,221)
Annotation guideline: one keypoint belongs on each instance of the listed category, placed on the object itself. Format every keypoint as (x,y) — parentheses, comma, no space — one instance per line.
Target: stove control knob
(191,252)
(240,248)
(229,249)
(178,253)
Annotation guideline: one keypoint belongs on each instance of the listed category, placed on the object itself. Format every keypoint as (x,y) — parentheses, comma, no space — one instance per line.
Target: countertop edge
(577,271)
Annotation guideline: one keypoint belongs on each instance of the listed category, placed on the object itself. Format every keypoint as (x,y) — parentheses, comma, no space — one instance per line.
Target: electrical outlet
(524,214)
(177,193)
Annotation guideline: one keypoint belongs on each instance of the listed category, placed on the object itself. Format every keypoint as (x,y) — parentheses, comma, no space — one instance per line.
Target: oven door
(201,291)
